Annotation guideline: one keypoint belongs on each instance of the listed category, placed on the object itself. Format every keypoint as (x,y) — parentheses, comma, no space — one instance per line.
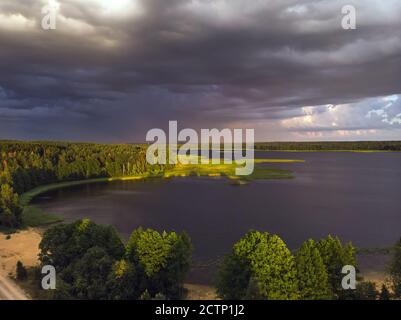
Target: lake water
(356,196)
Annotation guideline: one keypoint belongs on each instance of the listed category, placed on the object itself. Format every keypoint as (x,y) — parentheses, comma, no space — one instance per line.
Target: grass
(229,170)
(266,173)
(33,216)
(27,197)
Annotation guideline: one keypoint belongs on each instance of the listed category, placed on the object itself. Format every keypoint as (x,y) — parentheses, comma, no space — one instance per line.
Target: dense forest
(331,146)
(26,165)
(92,262)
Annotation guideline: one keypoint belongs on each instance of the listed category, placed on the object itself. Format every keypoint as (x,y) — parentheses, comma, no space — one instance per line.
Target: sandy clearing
(23,246)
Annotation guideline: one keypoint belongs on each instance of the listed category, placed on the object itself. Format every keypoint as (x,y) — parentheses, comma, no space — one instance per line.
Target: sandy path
(23,246)
(10,291)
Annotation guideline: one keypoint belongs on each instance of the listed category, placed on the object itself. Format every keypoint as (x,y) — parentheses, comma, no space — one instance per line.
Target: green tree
(259,265)
(253,291)
(10,210)
(312,275)
(5,176)
(92,262)
(234,278)
(91,273)
(335,256)
(395,270)
(63,289)
(63,244)
(164,259)
(124,282)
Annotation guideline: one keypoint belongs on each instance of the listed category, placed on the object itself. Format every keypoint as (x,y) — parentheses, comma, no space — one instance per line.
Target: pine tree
(312,275)
(335,256)
(5,175)
(10,210)
(21,271)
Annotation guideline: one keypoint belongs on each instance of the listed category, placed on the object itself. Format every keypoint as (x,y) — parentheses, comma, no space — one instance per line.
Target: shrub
(21,271)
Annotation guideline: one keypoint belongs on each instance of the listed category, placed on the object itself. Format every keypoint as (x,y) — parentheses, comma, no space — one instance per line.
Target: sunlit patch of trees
(10,210)
(260,266)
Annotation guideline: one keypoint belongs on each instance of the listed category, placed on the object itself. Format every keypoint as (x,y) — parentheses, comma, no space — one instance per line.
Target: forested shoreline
(26,165)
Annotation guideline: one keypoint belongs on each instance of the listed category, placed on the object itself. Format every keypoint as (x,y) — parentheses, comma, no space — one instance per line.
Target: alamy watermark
(49,12)
(349,280)
(51,9)
(49,280)
(186,147)
(348,21)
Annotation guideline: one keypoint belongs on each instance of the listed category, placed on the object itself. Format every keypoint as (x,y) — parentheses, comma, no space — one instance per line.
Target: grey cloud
(204,62)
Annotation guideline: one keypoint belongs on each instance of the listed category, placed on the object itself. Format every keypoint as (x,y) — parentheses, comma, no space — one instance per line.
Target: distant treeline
(331,146)
(26,165)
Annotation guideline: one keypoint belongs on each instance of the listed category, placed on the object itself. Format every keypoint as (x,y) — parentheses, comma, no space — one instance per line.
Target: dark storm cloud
(113,69)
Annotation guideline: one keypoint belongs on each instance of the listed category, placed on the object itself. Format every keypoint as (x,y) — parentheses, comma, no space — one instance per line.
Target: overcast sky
(114,69)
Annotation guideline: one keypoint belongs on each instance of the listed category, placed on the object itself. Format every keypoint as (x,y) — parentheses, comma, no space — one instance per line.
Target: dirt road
(10,291)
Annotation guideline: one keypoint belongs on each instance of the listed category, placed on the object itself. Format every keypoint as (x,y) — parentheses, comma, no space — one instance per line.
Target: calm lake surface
(356,196)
